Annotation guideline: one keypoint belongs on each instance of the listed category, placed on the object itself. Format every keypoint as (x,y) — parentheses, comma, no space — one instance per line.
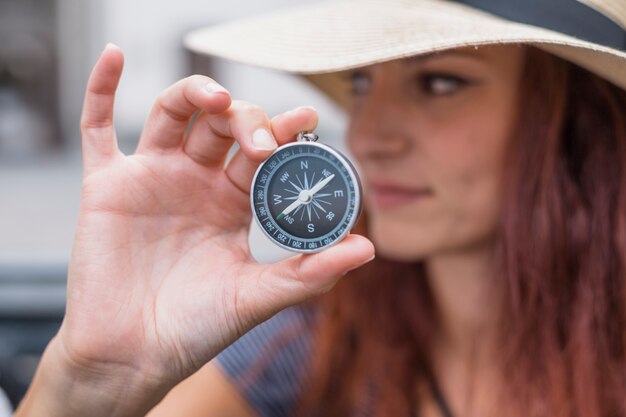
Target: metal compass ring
(307,137)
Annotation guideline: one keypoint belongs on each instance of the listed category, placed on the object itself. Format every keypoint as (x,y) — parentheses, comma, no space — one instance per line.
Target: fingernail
(263,140)
(215,88)
(111,45)
(301,108)
(304,107)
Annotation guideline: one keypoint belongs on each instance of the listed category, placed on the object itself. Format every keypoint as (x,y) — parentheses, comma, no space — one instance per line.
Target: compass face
(306,196)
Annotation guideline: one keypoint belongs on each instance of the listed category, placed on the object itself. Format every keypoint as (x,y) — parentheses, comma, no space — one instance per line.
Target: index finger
(173,109)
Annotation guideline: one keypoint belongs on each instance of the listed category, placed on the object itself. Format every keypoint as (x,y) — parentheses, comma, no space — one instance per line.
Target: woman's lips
(387,196)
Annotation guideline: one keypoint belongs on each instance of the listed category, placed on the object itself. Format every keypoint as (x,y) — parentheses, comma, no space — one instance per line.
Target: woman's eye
(441,84)
(360,83)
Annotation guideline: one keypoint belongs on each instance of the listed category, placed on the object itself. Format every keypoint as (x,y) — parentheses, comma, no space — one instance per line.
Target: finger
(204,146)
(285,127)
(248,124)
(296,279)
(240,171)
(96,123)
(170,116)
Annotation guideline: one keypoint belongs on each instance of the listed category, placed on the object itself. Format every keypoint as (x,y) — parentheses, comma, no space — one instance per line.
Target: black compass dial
(306,196)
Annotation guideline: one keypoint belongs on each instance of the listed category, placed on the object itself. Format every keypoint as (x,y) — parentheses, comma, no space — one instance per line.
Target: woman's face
(430,134)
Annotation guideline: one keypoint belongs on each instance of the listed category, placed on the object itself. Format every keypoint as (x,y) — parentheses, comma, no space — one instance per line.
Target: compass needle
(291,207)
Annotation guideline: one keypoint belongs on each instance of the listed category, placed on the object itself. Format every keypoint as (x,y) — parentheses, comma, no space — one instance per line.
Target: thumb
(305,276)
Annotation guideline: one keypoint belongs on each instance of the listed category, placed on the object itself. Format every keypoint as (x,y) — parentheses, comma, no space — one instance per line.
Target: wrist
(65,387)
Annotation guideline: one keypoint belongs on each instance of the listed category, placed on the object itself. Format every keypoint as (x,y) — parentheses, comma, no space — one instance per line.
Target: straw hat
(323,39)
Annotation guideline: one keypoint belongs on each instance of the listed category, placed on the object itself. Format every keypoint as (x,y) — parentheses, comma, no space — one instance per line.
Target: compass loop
(307,137)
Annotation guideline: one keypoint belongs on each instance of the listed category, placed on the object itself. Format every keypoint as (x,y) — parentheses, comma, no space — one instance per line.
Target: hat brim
(328,38)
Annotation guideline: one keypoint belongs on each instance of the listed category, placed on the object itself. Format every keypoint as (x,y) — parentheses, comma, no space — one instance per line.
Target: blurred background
(47,48)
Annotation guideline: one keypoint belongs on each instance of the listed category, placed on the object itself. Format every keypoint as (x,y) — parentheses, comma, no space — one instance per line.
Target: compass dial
(306,196)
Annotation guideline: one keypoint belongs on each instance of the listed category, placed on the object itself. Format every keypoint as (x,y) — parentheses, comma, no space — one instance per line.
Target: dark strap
(440,399)
(570,17)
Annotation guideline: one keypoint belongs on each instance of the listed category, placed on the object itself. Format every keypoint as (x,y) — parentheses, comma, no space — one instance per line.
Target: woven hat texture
(323,39)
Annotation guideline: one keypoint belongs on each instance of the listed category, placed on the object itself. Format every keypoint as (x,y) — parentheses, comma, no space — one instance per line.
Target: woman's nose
(379,129)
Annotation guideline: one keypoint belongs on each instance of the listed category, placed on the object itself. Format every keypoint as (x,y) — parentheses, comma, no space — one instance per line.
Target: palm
(161,278)
(178,226)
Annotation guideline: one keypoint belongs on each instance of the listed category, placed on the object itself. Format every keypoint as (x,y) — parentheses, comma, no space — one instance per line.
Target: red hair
(560,282)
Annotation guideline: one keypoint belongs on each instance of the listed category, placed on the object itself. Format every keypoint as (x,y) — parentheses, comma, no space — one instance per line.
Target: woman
(495,201)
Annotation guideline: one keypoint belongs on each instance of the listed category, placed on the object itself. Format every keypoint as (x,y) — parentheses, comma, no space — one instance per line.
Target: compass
(305,197)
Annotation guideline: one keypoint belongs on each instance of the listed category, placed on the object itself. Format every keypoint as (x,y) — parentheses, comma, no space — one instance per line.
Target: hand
(161,278)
